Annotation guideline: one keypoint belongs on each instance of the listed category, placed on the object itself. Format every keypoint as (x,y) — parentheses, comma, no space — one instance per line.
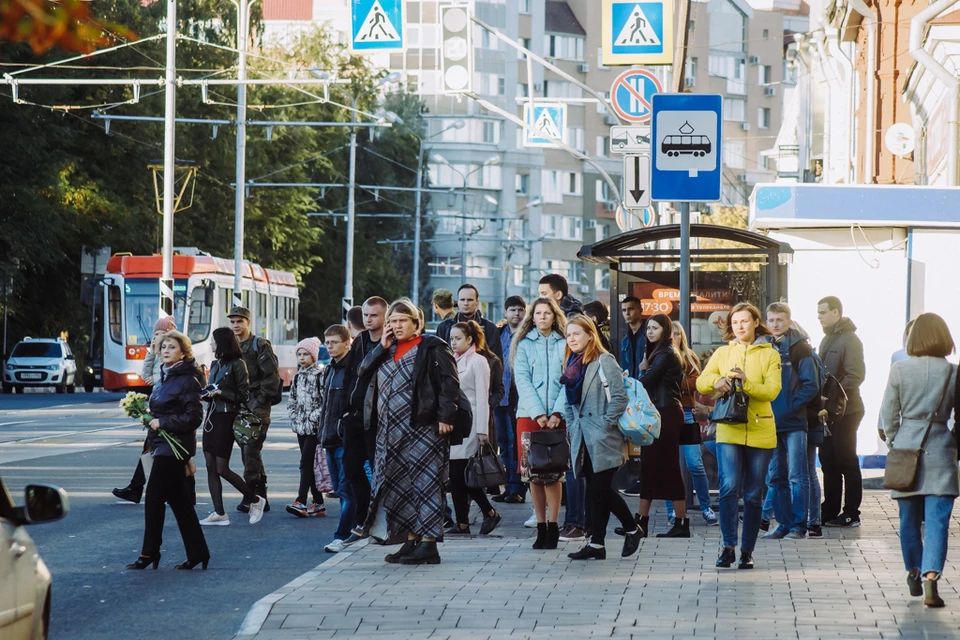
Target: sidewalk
(849,584)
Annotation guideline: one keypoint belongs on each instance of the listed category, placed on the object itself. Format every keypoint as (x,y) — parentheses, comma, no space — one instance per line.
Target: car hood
(34,362)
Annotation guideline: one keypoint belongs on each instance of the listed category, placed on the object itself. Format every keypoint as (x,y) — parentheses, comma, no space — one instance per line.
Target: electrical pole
(351,213)
(243,29)
(685,266)
(415,288)
(169,161)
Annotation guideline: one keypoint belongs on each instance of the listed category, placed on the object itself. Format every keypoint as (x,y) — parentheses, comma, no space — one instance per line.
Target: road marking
(10,424)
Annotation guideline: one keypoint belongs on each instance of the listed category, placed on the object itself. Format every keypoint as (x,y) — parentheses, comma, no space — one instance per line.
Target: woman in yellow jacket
(744,450)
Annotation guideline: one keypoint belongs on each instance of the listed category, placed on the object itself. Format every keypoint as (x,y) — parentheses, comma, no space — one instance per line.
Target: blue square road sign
(687,138)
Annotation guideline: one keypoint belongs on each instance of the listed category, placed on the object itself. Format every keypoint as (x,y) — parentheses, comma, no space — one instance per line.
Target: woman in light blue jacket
(595,399)
(536,356)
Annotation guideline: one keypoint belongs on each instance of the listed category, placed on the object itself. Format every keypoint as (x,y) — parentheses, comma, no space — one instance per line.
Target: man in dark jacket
(505,414)
(554,285)
(265,384)
(359,419)
(789,479)
(633,345)
(842,355)
(337,341)
(468,302)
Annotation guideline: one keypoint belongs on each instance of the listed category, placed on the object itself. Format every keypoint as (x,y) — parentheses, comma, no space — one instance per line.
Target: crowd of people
(392,424)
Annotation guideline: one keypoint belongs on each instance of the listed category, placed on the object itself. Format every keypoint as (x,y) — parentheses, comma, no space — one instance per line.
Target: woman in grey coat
(916,406)
(594,405)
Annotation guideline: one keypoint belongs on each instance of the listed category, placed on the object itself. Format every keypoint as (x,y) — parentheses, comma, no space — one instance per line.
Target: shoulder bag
(900,471)
(549,451)
(485,469)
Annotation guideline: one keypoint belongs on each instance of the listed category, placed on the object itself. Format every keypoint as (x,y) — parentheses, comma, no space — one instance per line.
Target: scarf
(572,378)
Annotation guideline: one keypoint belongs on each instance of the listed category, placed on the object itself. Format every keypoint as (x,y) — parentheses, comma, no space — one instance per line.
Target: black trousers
(139,479)
(462,494)
(359,446)
(308,483)
(841,469)
(168,485)
(602,500)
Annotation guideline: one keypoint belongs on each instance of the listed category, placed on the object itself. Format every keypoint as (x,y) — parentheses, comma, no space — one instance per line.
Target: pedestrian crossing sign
(549,121)
(377,25)
(637,32)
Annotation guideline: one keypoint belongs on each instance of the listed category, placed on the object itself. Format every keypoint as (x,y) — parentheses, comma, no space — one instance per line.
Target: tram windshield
(142,307)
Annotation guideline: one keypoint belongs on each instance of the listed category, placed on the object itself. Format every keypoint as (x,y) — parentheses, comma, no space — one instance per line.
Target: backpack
(640,422)
(278,396)
(831,402)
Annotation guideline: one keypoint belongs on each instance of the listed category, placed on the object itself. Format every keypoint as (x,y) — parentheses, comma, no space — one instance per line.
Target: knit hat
(165,325)
(311,346)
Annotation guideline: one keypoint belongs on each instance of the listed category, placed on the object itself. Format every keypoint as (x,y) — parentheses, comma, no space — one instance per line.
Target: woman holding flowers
(175,414)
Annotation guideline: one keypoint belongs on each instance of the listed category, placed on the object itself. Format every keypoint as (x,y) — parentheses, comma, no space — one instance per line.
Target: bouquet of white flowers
(136,406)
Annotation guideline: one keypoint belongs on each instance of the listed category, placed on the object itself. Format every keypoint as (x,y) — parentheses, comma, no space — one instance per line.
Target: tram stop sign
(686,147)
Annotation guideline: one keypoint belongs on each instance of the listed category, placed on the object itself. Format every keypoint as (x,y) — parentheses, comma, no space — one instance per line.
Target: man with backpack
(265,391)
(789,471)
(842,355)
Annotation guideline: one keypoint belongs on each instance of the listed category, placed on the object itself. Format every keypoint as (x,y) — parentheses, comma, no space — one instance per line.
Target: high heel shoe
(188,565)
(144,561)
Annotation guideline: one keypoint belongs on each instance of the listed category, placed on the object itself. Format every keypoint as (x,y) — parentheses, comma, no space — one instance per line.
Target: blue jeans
(741,467)
(344,490)
(928,552)
(813,499)
(694,462)
(576,502)
(507,441)
(770,494)
(791,481)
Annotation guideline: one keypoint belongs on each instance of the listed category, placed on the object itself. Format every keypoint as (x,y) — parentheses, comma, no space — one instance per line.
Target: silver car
(24,578)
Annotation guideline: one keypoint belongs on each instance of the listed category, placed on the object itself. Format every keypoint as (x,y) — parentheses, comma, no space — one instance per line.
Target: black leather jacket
(436,381)
(232,381)
(662,379)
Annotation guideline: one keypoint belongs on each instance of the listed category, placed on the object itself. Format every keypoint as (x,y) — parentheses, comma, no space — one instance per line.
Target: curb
(253,622)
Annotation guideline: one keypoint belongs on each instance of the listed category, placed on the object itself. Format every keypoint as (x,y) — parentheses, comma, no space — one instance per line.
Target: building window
(734,154)
(574,137)
(602,232)
(549,225)
(572,228)
(602,278)
(734,109)
(763,118)
(517,276)
(766,33)
(445,266)
(524,6)
(603,146)
(524,91)
(479,266)
(523,183)
(561,267)
(564,47)
(501,86)
(551,187)
(561,89)
(766,74)
(525,43)
(491,132)
(572,183)
(691,70)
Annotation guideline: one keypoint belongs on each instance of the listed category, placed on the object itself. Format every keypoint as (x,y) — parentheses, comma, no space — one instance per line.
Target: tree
(67,24)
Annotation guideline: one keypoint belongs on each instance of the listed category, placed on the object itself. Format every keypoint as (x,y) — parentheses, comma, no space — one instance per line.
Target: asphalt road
(87,447)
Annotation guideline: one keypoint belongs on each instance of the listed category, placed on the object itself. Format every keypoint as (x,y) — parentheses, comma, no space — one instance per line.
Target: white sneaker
(256,510)
(215,520)
(531,522)
(335,547)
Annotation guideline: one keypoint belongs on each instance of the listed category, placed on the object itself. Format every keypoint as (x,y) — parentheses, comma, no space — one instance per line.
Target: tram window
(262,314)
(290,321)
(115,315)
(200,315)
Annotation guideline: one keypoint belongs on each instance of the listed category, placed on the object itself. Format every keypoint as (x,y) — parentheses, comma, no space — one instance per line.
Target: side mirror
(44,503)
(209,293)
(70,357)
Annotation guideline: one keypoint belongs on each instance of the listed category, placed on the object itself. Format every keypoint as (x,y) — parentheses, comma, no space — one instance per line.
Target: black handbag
(549,451)
(690,434)
(485,469)
(731,407)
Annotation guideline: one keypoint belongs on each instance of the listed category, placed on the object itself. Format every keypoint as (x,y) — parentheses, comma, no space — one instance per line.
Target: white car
(40,362)
(24,578)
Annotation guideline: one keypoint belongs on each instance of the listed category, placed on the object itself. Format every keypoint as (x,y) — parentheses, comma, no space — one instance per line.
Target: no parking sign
(631,95)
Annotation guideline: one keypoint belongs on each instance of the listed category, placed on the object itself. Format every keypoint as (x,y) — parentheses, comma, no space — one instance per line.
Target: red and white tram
(203,293)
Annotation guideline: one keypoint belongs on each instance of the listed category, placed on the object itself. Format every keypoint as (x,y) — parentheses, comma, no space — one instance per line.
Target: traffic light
(456,49)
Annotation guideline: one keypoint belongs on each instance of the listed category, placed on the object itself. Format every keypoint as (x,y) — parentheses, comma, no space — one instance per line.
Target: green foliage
(65,184)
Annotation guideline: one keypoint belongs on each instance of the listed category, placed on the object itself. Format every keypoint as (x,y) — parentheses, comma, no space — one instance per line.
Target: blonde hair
(689,355)
(527,325)
(186,346)
(594,348)
(404,307)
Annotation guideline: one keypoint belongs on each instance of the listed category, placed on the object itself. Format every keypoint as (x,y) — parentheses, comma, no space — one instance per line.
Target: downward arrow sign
(636,192)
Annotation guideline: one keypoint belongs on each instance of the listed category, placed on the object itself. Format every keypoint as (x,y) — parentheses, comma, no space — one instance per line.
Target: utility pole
(243,29)
(169,161)
(415,288)
(685,266)
(347,301)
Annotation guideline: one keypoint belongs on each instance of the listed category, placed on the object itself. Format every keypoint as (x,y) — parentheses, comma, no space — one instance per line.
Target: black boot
(746,560)
(727,556)
(405,550)
(913,583)
(425,553)
(541,535)
(631,542)
(680,529)
(553,536)
(644,523)
(129,493)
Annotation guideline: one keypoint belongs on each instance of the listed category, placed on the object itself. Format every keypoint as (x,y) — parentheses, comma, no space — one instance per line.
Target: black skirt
(660,477)
(218,434)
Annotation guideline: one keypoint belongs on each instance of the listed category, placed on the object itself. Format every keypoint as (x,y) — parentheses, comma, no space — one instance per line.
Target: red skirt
(526,426)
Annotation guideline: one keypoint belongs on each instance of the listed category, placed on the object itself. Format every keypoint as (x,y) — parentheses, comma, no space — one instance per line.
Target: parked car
(40,362)
(24,578)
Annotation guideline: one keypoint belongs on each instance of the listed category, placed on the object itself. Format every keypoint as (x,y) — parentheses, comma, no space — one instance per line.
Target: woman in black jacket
(229,389)
(176,410)
(418,391)
(661,374)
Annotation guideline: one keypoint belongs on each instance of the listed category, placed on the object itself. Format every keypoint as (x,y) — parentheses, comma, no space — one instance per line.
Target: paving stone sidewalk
(849,584)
